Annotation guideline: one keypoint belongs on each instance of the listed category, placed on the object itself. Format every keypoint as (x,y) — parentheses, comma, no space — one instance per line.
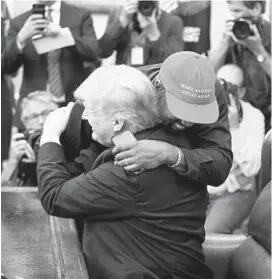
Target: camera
(147,7)
(31,136)
(242,28)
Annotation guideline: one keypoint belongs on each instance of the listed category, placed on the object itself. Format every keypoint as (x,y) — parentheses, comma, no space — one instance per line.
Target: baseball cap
(189,81)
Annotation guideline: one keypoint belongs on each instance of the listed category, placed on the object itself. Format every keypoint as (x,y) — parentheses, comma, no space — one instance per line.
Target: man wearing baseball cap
(189,82)
(192,100)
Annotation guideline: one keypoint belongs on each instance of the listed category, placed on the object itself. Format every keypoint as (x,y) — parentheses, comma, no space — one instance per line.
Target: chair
(244,257)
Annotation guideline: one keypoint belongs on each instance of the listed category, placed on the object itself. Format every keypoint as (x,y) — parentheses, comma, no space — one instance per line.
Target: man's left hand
(253,42)
(144,154)
(56,121)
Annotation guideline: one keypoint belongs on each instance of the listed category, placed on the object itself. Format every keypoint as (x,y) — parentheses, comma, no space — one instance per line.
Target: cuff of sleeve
(115,30)
(19,45)
(192,164)
(46,139)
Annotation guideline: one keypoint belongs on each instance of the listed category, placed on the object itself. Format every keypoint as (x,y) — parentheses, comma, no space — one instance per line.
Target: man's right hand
(20,147)
(128,8)
(227,33)
(34,25)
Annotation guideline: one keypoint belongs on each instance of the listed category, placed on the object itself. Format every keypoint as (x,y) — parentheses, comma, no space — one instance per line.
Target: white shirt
(247,141)
(55,13)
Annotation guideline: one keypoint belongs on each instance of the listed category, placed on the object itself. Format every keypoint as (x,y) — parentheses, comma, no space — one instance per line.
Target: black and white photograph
(136,139)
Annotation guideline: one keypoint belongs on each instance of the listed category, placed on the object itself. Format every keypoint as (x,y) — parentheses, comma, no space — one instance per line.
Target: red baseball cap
(189,81)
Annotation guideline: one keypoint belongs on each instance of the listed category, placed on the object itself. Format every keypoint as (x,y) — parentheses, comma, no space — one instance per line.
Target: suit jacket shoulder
(19,20)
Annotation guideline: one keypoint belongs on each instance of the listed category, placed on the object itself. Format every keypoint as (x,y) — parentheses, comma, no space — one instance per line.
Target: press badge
(137,56)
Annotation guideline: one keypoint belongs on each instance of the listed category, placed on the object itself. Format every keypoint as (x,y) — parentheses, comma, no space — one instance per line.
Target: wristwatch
(260,58)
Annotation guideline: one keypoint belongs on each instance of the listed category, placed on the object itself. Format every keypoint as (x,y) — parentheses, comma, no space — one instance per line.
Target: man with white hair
(147,225)
(34,109)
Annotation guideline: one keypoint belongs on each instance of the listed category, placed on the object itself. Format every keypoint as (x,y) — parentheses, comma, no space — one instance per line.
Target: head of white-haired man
(116,99)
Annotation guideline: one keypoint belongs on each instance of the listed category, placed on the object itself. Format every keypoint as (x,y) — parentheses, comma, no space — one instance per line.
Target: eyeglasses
(35,117)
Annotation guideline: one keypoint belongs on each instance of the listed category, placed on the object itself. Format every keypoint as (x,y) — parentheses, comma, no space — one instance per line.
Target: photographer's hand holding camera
(246,42)
(21,148)
(243,30)
(141,29)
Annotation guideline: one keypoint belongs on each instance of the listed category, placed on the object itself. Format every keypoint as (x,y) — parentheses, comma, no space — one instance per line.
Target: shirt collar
(56,6)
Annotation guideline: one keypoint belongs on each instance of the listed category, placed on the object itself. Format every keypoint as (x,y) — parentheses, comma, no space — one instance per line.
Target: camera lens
(241,29)
(146,7)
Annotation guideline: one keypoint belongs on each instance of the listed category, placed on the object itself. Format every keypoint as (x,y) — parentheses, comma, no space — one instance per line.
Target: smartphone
(38,9)
(123,138)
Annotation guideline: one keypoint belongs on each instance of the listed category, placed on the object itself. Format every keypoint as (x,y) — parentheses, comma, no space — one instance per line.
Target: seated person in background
(141,33)
(148,225)
(250,49)
(34,110)
(231,202)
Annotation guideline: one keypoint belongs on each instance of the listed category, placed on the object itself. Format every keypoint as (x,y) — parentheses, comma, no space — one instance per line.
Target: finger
(124,155)
(229,24)
(40,26)
(255,29)
(18,144)
(153,15)
(125,162)
(30,151)
(17,136)
(132,168)
(70,107)
(233,37)
(122,148)
(35,17)
(19,149)
(40,21)
(231,100)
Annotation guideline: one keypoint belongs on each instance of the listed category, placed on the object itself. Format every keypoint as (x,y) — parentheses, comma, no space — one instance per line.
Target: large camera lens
(146,7)
(242,29)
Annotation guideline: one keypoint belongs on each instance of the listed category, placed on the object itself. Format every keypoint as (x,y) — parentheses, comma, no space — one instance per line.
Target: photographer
(34,110)
(142,34)
(246,42)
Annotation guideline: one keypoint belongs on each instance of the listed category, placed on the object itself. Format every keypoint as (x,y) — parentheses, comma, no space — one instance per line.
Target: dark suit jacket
(118,38)
(6,102)
(71,58)
(145,226)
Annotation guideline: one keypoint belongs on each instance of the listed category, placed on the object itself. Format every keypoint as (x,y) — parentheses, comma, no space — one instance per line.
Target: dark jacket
(210,160)
(118,38)
(6,100)
(71,58)
(145,226)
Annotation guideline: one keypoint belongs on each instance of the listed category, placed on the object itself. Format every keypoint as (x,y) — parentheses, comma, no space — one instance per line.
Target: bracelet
(178,160)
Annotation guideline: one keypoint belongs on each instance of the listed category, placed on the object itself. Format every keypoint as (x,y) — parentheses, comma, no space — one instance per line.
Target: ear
(242,92)
(118,124)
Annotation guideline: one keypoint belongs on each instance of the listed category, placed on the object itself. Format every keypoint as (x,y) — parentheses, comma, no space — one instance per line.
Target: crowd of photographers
(141,33)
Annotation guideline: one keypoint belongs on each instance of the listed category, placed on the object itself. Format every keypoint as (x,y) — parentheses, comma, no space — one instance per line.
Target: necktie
(53,67)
